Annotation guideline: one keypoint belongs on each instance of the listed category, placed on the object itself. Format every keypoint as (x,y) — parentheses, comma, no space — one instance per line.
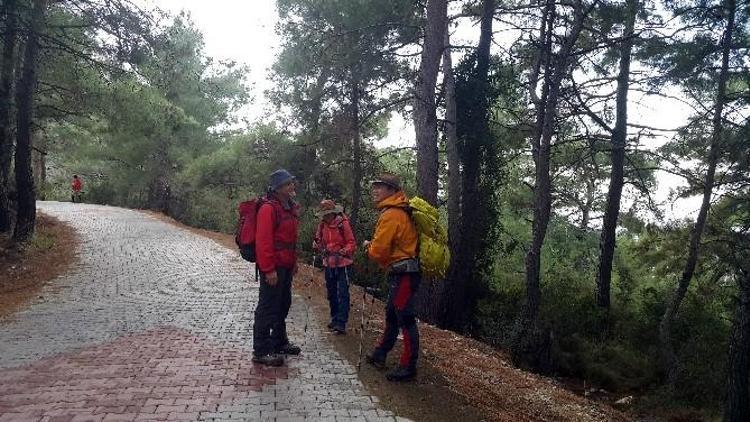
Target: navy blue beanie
(279,178)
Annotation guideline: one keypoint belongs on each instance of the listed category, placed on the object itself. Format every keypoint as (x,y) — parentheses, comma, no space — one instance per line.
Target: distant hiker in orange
(394,248)
(335,241)
(76,186)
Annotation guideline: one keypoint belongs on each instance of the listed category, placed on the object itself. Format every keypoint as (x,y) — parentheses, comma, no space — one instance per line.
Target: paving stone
(155,323)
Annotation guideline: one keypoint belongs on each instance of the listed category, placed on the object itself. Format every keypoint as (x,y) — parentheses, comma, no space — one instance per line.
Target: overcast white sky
(244,31)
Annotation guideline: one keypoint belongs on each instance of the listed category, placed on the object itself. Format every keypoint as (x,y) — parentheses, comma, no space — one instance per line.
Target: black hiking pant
(401,314)
(269,327)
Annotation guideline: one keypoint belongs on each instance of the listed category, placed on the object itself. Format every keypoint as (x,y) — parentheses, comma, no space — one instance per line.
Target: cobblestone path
(155,323)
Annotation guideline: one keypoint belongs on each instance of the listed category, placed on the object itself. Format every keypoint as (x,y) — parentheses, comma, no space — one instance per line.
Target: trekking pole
(362,327)
(307,317)
(307,306)
(365,321)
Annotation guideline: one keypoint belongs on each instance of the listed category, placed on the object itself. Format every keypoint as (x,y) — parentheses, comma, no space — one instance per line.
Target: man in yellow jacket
(394,248)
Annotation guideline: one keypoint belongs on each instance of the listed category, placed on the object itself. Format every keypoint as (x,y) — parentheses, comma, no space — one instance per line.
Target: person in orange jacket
(276,233)
(394,248)
(334,239)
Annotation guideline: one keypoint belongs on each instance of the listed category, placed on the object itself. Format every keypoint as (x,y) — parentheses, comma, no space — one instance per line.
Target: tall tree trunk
(617,173)
(522,343)
(588,203)
(526,345)
(357,173)
(425,126)
(39,160)
(665,327)
(737,407)
(311,137)
(159,193)
(26,214)
(425,118)
(436,295)
(6,86)
(456,300)
(451,146)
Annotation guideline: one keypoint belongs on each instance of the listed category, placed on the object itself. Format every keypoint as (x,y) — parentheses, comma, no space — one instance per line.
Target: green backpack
(434,254)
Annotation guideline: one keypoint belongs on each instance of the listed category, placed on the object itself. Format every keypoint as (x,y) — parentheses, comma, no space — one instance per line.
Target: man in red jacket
(275,246)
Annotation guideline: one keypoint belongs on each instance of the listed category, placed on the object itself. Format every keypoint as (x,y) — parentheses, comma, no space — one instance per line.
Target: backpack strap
(340,226)
(276,220)
(408,211)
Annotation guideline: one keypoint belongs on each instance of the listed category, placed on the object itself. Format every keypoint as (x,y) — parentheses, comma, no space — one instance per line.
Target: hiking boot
(338,330)
(289,349)
(330,325)
(270,359)
(401,374)
(376,359)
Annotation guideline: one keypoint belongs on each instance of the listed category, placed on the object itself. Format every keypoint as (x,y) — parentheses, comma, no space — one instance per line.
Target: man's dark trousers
(269,327)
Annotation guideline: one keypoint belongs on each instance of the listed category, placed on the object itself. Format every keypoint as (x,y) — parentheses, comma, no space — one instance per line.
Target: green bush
(626,357)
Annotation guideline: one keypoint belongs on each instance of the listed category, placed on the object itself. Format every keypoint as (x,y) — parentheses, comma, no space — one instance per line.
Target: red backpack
(245,234)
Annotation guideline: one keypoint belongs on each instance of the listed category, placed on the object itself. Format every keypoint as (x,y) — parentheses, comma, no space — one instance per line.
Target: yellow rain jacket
(395,235)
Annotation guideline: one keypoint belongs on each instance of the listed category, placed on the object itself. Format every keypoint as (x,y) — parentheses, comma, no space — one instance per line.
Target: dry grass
(26,270)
